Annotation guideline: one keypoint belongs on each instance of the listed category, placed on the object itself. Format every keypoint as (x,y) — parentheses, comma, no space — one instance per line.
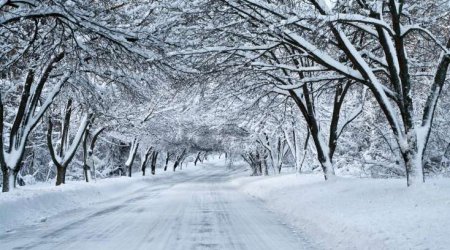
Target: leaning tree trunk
(322,148)
(167,161)
(197,158)
(179,160)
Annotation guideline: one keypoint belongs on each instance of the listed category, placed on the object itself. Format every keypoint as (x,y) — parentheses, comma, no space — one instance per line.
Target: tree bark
(144,161)
(264,163)
(66,152)
(175,165)
(167,161)
(89,152)
(154,159)
(197,158)
(321,147)
(60,175)
(9,180)
(87,173)
(86,168)
(178,160)
(131,156)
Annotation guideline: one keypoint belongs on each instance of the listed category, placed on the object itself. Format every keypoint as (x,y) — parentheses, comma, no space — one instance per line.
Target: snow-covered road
(200,210)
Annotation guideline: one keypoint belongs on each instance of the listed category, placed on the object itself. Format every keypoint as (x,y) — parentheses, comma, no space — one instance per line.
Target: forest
(355,88)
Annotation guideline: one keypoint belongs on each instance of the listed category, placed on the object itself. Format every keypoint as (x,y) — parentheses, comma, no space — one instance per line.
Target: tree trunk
(179,160)
(279,167)
(13,178)
(266,169)
(87,173)
(413,164)
(300,158)
(91,149)
(9,179)
(5,178)
(67,150)
(86,168)
(131,156)
(144,160)
(167,161)
(322,148)
(279,155)
(60,175)
(254,169)
(175,165)
(129,167)
(197,158)
(154,158)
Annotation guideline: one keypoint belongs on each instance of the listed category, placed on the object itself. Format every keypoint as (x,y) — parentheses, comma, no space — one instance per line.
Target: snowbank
(359,213)
(32,204)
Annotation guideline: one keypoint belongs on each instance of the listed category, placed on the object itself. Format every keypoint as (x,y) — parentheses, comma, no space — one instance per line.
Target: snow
(77,139)
(14,156)
(358,19)
(30,204)
(324,57)
(211,206)
(350,213)
(195,209)
(132,154)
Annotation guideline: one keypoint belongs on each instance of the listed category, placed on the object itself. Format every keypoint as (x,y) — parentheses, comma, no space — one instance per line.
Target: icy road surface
(200,210)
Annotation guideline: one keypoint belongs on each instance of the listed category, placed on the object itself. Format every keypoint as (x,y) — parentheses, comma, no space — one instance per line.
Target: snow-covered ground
(35,203)
(349,213)
(206,207)
(193,209)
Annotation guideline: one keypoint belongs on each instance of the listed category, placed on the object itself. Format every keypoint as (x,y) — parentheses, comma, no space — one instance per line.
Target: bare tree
(67,147)
(29,112)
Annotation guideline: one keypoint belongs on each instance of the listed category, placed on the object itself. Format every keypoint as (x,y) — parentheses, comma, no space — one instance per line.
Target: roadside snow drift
(359,213)
(33,204)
